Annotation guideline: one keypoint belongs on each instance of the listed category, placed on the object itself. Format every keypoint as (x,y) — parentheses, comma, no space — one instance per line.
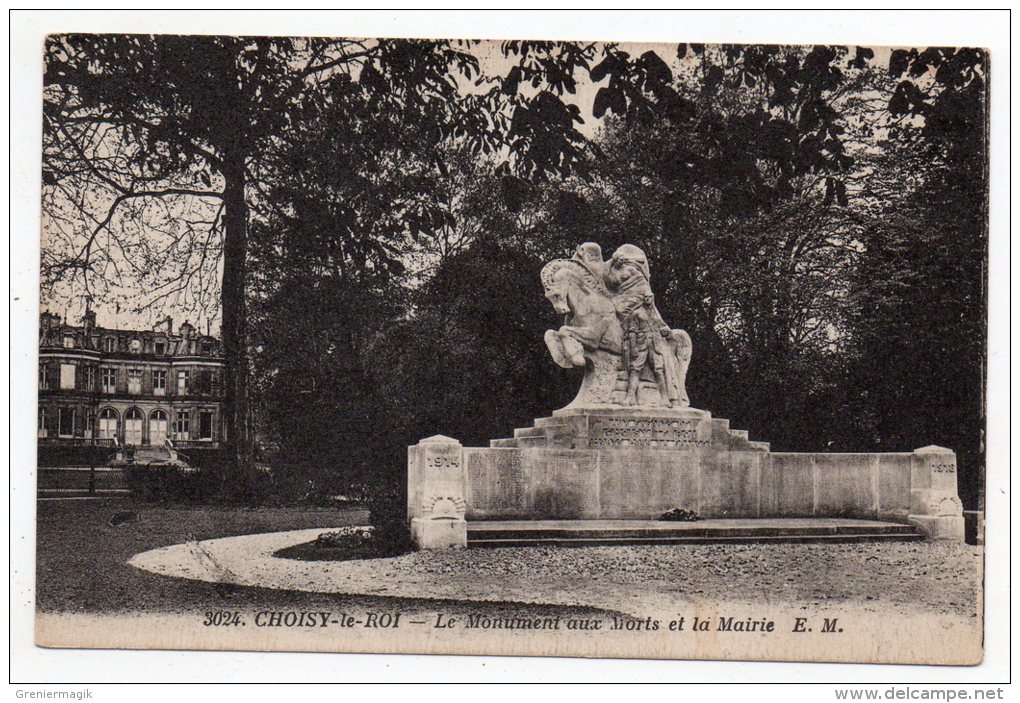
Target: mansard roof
(187,342)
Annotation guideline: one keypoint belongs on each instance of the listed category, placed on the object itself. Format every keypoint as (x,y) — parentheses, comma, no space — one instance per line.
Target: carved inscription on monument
(442,462)
(496,481)
(656,432)
(566,483)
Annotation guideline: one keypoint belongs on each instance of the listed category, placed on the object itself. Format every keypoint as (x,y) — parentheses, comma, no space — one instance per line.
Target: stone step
(509,443)
(610,532)
(550,421)
(529,432)
(637,541)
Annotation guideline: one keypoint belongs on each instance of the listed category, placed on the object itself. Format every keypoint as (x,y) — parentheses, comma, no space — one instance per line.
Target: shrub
(679,515)
(170,483)
(387,513)
(74,455)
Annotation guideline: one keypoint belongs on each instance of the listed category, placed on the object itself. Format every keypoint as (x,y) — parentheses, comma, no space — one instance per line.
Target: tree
(920,331)
(176,111)
(152,117)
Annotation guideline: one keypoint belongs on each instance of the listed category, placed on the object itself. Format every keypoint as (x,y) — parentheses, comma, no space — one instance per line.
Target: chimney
(88,320)
(169,325)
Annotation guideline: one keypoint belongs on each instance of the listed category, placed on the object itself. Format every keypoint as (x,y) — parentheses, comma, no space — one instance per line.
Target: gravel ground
(933,577)
(919,578)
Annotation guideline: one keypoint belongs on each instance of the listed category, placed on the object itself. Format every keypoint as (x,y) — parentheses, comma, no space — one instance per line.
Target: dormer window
(160,347)
(206,348)
(110,344)
(68,341)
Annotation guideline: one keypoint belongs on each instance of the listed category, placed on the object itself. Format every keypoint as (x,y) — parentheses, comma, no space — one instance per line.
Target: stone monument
(629,446)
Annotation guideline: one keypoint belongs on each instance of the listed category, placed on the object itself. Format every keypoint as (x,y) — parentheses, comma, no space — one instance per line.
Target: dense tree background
(815,218)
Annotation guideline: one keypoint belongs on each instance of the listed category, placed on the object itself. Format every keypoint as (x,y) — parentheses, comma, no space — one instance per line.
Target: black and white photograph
(523,347)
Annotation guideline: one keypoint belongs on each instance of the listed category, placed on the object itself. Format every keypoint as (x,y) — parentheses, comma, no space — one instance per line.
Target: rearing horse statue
(626,362)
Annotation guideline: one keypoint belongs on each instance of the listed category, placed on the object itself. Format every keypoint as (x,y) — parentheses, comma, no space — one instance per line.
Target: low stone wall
(594,484)
(871,486)
(450,484)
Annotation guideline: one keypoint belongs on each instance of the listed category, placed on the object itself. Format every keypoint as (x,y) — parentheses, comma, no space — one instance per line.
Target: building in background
(104,386)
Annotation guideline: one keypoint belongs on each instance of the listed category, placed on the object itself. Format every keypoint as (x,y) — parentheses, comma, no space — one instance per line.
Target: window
(108,424)
(90,425)
(68,341)
(90,378)
(42,422)
(205,425)
(160,347)
(157,428)
(181,424)
(108,379)
(67,377)
(133,429)
(135,381)
(44,382)
(182,382)
(110,344)
(202,382)
(206,348)
(65,427)
(159,382)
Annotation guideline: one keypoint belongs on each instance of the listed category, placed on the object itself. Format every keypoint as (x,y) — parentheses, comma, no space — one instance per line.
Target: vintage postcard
(556,348)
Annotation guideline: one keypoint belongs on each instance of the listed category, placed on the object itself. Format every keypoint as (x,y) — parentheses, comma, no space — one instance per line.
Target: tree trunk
(235,339)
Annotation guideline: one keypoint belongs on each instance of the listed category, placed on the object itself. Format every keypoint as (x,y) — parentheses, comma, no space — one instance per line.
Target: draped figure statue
(613,329)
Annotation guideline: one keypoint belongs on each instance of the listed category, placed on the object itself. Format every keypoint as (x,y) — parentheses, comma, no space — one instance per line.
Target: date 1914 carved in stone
(613,329)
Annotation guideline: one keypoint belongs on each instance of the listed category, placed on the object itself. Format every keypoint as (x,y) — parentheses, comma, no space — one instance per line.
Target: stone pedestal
(935,506)
(435,493)
(620,463)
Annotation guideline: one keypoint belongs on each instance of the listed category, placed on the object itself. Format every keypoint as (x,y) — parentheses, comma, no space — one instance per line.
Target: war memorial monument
(630,448)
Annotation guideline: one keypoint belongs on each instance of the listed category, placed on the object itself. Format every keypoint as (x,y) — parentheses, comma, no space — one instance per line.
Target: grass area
(81,563)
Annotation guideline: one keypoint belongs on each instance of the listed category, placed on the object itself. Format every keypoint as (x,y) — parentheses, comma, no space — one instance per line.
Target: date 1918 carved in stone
(613,329)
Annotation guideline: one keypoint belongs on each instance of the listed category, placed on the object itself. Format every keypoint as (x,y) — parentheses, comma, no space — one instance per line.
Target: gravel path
(933,577)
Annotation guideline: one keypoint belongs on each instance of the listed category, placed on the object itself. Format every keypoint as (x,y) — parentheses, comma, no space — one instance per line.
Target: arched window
(133,426)
(108,423)
(158,425)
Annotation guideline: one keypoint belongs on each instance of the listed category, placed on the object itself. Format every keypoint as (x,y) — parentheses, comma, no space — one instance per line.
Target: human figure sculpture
(644,332)
(613,329)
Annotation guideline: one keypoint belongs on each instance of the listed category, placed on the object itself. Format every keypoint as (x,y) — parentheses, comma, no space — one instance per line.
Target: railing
(168,443)
(79,441)
(195,443)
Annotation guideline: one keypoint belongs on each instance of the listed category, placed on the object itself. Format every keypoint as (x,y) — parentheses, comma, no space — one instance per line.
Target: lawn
(82,560)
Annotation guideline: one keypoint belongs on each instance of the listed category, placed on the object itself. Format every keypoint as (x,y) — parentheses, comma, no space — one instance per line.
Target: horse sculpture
(592,337)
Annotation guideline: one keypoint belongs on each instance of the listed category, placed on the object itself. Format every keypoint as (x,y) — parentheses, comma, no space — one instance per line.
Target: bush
(387,513)
(679,515)
(216,458)
(74,455)
(170,483)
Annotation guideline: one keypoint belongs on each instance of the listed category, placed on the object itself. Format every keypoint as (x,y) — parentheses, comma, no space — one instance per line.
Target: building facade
(103,386)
